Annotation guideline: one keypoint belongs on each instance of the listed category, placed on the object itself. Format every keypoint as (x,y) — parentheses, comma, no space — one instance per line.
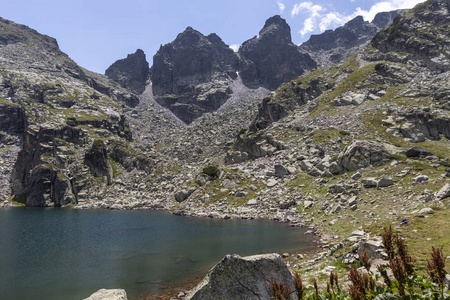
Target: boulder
(444,192)
(421,178)
(373,248)
(361,154)
(385,182)
(426,210)
(112,294)
(182,195)
(308,204)
(370,182)
(238,277)
(281,171)
(418,152)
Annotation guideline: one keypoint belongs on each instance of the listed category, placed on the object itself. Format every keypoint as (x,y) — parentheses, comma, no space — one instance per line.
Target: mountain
(313,147)
(131,72)
(54,115)
(191,75)
(334,46)
(271,58)
(362,143)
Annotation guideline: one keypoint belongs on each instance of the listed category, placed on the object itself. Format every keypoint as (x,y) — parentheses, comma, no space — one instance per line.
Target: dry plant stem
(436,267)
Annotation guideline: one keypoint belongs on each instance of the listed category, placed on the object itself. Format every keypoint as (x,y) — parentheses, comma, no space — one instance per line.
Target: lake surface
(51,253)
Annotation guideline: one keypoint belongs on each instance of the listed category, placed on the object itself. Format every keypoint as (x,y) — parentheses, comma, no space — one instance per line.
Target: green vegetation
(212,171)
(398,279)
(326,136)
(99,143)
(113,164)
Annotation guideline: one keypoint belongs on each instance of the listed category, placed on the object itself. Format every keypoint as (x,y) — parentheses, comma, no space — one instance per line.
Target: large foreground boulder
(103,294)
(238,277)
(361,154)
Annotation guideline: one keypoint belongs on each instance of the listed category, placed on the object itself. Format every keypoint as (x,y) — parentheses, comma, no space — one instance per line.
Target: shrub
(212,171)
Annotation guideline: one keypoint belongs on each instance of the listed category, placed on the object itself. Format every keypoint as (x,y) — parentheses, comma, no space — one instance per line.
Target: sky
(96,33)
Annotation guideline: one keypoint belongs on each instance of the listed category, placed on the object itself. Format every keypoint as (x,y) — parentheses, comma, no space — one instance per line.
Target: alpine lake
(63,253)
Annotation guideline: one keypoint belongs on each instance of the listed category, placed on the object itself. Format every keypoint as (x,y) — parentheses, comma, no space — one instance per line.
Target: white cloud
(235,47)
(332,20)
(318,18)
(281,6)
(309,7)
(386,6)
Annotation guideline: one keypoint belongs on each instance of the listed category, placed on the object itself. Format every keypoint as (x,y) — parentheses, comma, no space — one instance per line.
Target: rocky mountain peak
(271,58)
(277,30)
(333,46)
(421,32)
(131,72)
(191,75)
(12,33)
(383,19)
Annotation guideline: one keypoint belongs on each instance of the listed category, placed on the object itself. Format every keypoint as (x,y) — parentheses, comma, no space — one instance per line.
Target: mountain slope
(348,143)
(335,46)
(52,110)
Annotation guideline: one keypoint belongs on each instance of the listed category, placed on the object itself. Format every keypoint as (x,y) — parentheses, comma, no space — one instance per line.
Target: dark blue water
(69,254)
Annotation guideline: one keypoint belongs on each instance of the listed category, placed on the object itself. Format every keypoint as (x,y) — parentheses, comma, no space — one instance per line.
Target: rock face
(243,278)
(333,46)
(113,294)
(361,154)
(410,34)
(131,72)
(191,75)
(96,159)
(51,110)
(271,58)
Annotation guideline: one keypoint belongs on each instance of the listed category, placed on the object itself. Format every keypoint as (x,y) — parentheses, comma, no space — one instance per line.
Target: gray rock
(241,194)
(385,182)
(361,154)
(281,171)
(444,192)
(182,195)
(238,277)
(370,182)
(252,202)
(420,178)
(308,204)
(426,210)
(352,201)
(186,73)
(272,183)
(371,247)
(356,176)
(112,294)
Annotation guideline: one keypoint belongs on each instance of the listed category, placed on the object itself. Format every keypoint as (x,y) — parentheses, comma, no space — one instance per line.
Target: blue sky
(96,33)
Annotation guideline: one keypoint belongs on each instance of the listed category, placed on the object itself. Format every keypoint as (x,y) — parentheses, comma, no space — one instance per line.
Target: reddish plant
(365,261)
(384,274)
(402,250)
(298,286)
(361,284)
(388,242)
(316,288)
(436,267)
(398,269)
(280,291)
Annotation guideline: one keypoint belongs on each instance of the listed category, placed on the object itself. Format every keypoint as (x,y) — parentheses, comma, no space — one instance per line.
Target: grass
(373,125)
(417,233)
(325,136)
